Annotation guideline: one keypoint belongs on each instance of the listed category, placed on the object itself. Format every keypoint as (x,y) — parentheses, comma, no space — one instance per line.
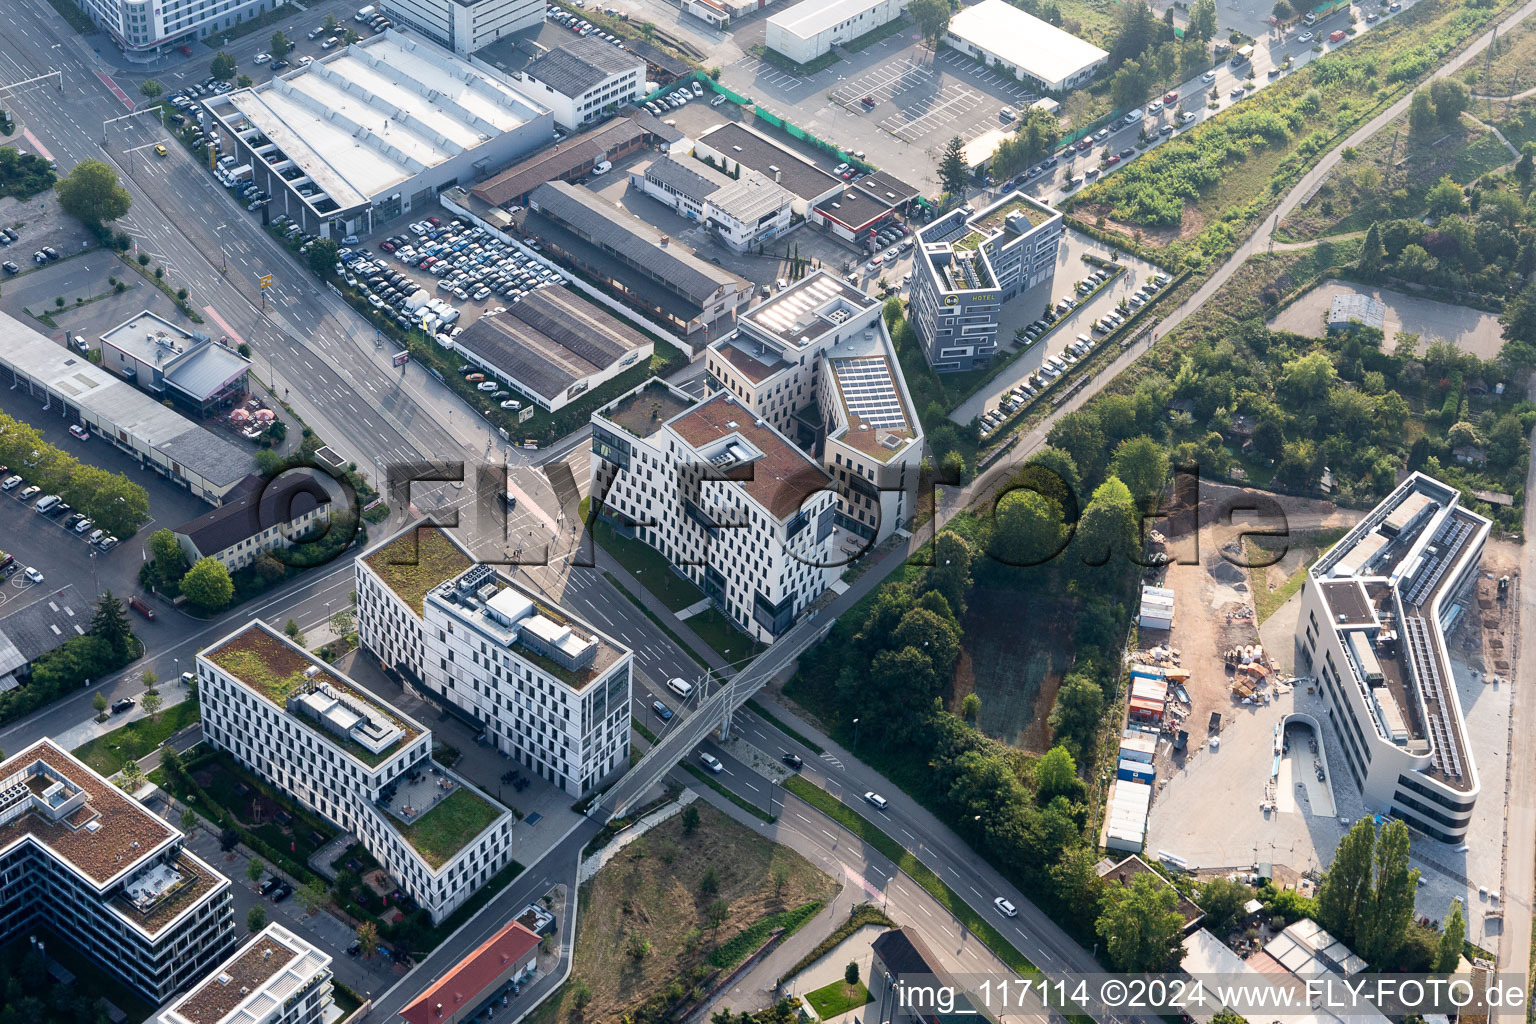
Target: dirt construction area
(1273,787)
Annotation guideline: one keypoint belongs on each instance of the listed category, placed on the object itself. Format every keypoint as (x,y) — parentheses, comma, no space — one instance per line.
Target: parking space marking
(954,102)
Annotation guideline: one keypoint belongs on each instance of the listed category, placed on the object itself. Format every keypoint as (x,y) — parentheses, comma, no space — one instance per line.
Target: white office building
(811,28)
(816,362)
(743,212)
(1374,613)
(146,29)
(355,760)
(583,79)
(275,978)
(1003,36)
(968,263)
(88,862)
(464,26)
(550,690)
(733,505)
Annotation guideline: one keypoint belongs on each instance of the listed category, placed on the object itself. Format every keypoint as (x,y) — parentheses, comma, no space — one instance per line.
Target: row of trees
(105,648)
(117,504)
(206,583)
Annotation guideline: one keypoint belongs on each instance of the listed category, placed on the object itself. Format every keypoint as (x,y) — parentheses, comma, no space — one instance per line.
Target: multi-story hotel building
(1374,613)
(549,689)
(968,263)
(146,29)
(816,362)
(352,758)
(724,496)
(96,868)
(275,978)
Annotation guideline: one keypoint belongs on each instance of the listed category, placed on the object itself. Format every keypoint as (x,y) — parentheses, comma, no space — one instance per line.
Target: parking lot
(917,101)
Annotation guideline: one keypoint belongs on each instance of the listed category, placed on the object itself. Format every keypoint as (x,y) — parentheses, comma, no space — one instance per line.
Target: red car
(1111,160)
(184,50)
(1084,145)
(1171,97)
(387,246)
(868,101)
(434,222)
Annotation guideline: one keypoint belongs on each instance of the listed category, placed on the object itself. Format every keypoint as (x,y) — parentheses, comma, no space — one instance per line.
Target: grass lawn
(268,815)
(831,1000)
(1510,69)
(719,632)
(445,830)
(657,891)
(108,753)
(647,565)
(1268,595)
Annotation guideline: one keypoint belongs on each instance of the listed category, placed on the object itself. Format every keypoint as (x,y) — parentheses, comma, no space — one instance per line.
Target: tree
(322,256)
(1223,900)
(314,895)
(1141,926)
(1525,167)
(163,548)
(1448,956)
(1026,530)
(149,677)
(709,884)
(151,89)
(1372,255)
(1344,894)
(780,877)
(256,918)
(953,173)
(851,975)
(1450,98)
(331,24)
(133,773)
(690,819)
(207,584)
(281,46)
(1446,198)
(1391,899)
(716,915)
(1519,318)
(1142,465)
(1075,716)
(254,870)
(350,36)
(581,994)
(932,20)
(1307,378)
(1202,20)
(1421,116)
(222,67)
(99,702)
(228,839)
(1129,85)
(368,938)
(950,574)
(245,81)
(152,705)
(639,947)
(1282,11)
(110,623)
(343,622)
(188,820)
(91,193)
(970,707)
(1055,774)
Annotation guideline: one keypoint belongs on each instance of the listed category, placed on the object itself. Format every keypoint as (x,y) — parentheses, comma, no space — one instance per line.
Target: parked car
(141,606)
(123,704)
(33,576)
(79,433)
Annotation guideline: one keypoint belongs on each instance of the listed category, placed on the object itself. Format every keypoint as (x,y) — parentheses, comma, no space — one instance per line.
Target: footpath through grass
(109,752)
(950,900)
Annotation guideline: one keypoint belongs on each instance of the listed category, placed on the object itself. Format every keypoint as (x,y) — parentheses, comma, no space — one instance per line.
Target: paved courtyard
(1471,330)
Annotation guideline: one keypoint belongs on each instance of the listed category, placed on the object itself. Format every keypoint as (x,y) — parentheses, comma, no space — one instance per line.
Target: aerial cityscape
(767,511)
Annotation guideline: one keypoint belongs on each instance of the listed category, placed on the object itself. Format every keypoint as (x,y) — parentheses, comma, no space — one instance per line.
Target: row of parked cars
(580,26)
(679,97)
(469,262)
(56,508)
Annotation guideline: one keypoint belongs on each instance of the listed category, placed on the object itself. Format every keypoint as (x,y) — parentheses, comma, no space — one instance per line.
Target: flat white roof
(1023,40)
(810,18)
(379,112)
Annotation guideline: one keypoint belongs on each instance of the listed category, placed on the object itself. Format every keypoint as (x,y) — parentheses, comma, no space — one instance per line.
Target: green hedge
(742,945)
(863,914)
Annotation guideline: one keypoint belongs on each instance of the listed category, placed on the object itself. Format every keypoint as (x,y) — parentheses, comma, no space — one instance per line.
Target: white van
(602,167)
(711,762)
(365,13)
(682,687)
(47,502)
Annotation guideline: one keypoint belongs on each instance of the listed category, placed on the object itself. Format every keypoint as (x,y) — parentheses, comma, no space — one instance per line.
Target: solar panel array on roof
(869,392)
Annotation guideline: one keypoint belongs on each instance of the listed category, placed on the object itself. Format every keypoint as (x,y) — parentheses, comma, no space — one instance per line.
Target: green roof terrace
(642,412)
(418,560)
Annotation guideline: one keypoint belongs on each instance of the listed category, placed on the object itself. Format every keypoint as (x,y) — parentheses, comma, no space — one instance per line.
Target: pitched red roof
(467,983)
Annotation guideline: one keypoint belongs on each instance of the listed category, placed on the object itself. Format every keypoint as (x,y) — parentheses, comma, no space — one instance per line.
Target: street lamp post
(855,733)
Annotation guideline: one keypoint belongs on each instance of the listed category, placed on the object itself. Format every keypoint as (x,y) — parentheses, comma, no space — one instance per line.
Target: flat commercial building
(464,26)
(1000,35)
(188,367)
(550,690)
(816,362)
(77,390)
(266,516)
(275,978)
(743,212)
(968,263)
(146,29)
(1374,612)
(94,866)
(553,346)
(374,131)
(729,501)
(654,273)
(733,147)
(811,28)
(576,156)
(355,760)
(31,632)
(583,79)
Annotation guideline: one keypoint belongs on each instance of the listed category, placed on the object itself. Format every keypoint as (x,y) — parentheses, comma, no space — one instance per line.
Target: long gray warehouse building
(375,130)
(75,389)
